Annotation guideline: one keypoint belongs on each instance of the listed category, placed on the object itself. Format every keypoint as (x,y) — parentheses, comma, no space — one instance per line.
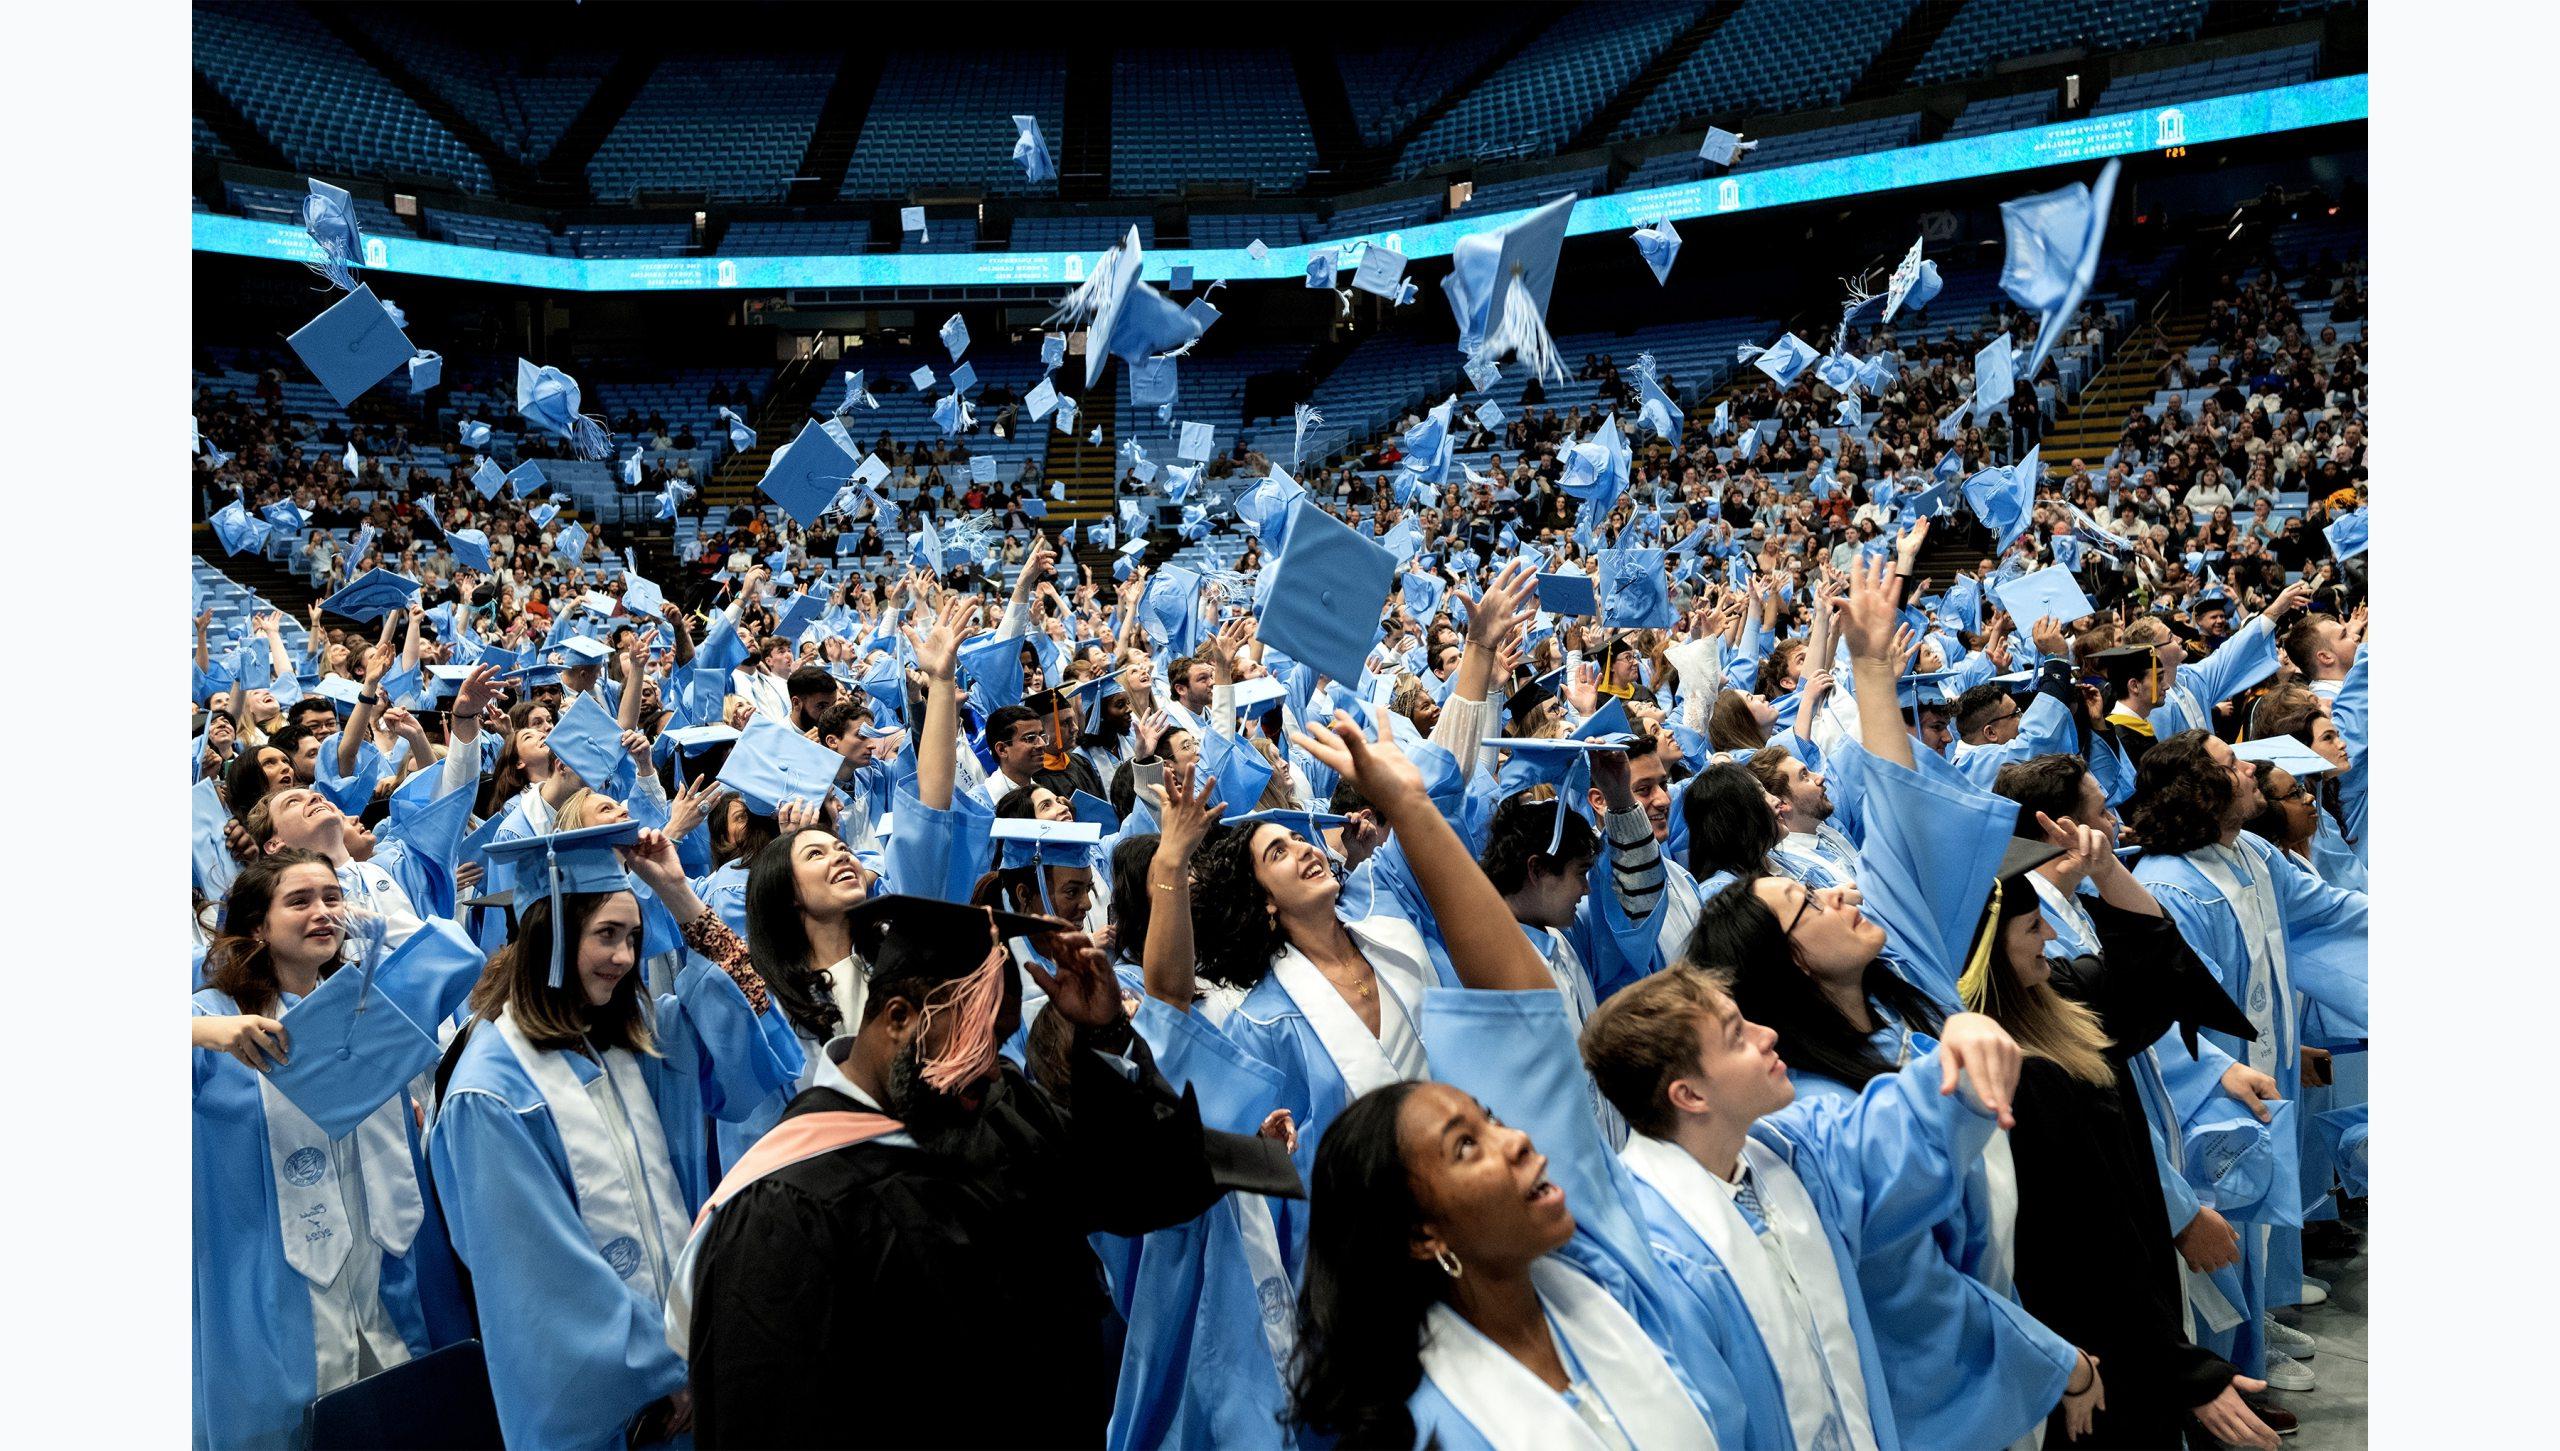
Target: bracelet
(2070,1390)
(362,699)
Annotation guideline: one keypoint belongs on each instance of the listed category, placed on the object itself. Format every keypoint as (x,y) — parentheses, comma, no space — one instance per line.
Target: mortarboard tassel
(1975,984)
(969,1046)
(1523,333)
(559,945)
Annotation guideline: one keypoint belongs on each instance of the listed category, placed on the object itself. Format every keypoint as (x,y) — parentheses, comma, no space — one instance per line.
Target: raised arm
(1867,622)
(626,715)
(1487,947)
(1183,821)
(938,654)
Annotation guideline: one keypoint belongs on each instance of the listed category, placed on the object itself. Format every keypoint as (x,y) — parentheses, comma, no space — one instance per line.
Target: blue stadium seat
(794,239)
(1773,55)
(686,130)
(1532,105)
(2003,113)
(1276,229)
(1181,116)
(943,119)
(1985,31)
(1390,85)
(2219,76)
(626,239)
(318,101)
(507,234)
(522,102)
(1828,143)
(1078,233)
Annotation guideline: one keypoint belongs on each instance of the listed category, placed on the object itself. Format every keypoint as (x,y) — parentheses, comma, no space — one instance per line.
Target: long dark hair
(1731,828)
(236,963)
(1362,1306)
(1131,860)
(778,943)
(1232,930)
(2180,796)
(518,982)
(1738,934)
(244,781)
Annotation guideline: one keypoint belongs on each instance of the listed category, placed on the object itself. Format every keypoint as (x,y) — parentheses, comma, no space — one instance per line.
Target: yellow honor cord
(1976,981)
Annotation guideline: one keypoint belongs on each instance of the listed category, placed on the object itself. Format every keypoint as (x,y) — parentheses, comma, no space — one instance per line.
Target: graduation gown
(2092,1261)
(956,1286)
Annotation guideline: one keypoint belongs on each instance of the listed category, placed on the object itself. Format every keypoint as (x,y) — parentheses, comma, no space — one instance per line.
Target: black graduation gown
(2095,1258)
(890,1296)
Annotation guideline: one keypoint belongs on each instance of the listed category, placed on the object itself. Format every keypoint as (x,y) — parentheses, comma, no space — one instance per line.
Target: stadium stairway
(512,177)
(787,405)
(280,585)
(2089,429)
(564,172)
(1091,471)
(1891,70)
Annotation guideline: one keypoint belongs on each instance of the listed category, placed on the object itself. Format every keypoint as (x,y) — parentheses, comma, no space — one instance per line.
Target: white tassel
(1307,414)
(1523,334)
(1747,352)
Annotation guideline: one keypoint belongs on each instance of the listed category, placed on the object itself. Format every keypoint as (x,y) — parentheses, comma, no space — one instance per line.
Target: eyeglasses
(1808,904)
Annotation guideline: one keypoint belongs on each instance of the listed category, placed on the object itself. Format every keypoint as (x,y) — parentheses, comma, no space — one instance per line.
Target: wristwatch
(1113,1037)
(368,698)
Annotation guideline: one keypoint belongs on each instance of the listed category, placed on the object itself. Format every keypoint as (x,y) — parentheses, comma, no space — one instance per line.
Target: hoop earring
(1448,1263)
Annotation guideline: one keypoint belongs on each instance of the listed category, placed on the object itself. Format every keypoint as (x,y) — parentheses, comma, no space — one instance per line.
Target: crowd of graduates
(1601,953)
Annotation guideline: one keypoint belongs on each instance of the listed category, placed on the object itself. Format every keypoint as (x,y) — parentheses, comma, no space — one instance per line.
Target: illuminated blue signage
(2196,123)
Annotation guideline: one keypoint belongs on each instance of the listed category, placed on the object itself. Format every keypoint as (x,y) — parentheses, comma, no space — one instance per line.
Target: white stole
(2268,996)
(1395,1054)
(1274,1298)
(1516,1411)
(1787,1278)
(2000,1257)
(321,1226)
(625,1183)
(2071,921)
(1679,909)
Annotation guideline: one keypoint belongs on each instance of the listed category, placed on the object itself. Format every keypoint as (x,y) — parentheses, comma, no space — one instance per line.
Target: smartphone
(1148,775)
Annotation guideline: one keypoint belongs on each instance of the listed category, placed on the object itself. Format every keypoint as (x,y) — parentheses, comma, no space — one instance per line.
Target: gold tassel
(1975,985)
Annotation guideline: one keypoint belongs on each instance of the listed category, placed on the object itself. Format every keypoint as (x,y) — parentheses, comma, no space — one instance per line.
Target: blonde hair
(2046,1024)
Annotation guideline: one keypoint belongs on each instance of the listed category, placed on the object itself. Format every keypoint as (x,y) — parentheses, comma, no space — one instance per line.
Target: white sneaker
(2314,1292)
(2283,1339)
(2285,1373)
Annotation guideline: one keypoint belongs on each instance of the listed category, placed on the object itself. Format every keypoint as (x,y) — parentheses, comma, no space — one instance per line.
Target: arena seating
(1532,105)
(1530,191)
(206,142)
(508,234)
(1388,86)
(625,239)
(1276,229)
(1181,116)
(2003,113)
(1078,234)
(944,119)
(2221,76)
(522,103)
(1988,30)
(1772,55)
(318,101)
(1382,216)
(1826,143)
(686,130)
(794,239)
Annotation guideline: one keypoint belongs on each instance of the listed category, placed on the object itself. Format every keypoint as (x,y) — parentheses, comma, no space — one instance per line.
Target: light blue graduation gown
(1885,1169)
(254,1363)
(574,1351)
(1196,1368)
(2351,710)
(2044,729)
(1930,846)
(2248,657)
(2324,931)
(1515,1052)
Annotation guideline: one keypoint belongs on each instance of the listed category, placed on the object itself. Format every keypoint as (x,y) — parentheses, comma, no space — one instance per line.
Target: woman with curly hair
(2269,928)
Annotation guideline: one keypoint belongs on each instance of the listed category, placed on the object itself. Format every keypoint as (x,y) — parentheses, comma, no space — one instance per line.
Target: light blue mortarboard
(470,548)
(742,434)
(2004,498)
(1995,377)
(2054,239)
(526,479)
(426,369)
(964,377)
(1127,318)
(488,478)
(352,346)
(805,474)
(589,742)
(1488,268)
(562,862)
(2346,534)
(329,216)
(353,1034)
(1634,593)
(475,434)
(1722,146)
(1032,150)
(1152,381)
(547,398)
(1568,594)
(1327,587)
(955,336)
(376,593)
(2047,594)
(1658,245)
(1784,361)
(772,763)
